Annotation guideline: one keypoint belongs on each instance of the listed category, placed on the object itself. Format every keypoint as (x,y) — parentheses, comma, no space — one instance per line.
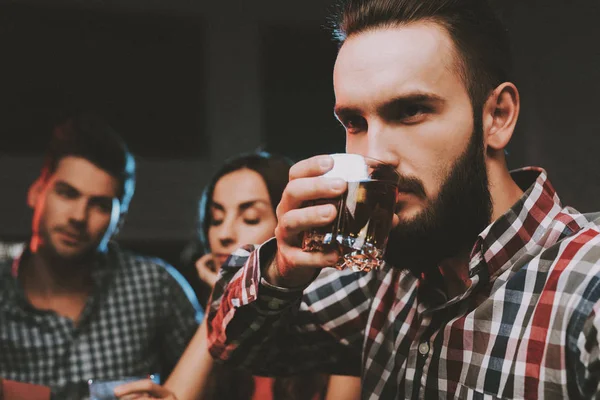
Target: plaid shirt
(526,327)
(138,321)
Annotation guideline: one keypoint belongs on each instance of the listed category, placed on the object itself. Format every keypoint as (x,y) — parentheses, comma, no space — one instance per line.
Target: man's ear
(116,221)
(119,225)
(500,115)
(36,196)
(35,192)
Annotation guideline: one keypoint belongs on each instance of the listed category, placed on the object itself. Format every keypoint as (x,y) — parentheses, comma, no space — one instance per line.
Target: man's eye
(66,192)
(354,124)
(412,113)
(105,208)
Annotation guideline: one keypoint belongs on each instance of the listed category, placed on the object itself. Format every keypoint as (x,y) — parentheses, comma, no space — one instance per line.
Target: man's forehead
(418,56)
(86,177)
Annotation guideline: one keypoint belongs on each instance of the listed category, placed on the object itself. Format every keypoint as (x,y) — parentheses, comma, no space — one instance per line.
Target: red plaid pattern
(527,326)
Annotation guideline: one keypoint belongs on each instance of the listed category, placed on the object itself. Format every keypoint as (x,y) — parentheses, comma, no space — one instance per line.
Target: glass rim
(133,378)
(360,155)
(396,179)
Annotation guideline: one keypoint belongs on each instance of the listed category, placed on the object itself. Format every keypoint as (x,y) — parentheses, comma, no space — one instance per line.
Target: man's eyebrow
(102,198)
(65,186)
(59,184)
(340,111)
(413,98)
(417,97)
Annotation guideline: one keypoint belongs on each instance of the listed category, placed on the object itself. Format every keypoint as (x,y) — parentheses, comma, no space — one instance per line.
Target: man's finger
(314,166)
(299,191)
(395,221)
(295,257)
(294,222)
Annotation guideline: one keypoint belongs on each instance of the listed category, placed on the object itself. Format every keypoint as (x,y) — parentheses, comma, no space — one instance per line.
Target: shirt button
(424,348)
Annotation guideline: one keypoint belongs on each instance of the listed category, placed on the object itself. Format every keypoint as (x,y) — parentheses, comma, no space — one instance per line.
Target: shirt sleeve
(582,336)
(586,359)
(182,315)
(275,331)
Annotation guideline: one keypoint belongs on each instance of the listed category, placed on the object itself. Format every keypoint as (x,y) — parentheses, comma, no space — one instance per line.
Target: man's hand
(291,266)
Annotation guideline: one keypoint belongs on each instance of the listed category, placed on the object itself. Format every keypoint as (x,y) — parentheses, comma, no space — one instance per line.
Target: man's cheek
(99,227)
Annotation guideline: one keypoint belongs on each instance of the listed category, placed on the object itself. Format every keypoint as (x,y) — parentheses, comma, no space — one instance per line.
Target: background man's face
(73,209)
(401,98)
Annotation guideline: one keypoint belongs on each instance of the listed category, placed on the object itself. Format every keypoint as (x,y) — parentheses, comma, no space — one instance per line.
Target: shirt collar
(101,265)
(523,227)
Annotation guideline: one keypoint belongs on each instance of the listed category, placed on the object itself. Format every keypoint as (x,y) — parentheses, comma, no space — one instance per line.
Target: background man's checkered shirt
(138,321)
(527,327)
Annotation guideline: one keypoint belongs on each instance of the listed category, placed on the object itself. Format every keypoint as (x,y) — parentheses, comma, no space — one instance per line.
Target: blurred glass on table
(103,389)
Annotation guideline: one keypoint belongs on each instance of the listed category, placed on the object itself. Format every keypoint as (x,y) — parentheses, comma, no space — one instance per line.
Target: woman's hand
(144,390)
(207,269)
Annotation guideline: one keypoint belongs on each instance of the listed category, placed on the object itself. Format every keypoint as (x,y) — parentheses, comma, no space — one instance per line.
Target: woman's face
(241,213)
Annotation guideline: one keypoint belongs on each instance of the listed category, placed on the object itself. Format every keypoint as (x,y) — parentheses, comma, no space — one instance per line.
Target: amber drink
(364,213)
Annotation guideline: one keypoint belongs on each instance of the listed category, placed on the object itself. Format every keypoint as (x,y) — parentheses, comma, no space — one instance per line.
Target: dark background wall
(189,83)
(557,69)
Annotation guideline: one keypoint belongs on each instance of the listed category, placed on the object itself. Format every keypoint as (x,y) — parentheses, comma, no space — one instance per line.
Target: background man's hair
(478,34)
(90,137)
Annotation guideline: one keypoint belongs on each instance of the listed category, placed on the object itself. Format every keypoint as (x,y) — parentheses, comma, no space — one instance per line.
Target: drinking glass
(364,213)
(103,389)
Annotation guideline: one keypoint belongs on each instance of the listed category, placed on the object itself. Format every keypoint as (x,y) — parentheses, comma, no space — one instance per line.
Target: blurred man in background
(73,306)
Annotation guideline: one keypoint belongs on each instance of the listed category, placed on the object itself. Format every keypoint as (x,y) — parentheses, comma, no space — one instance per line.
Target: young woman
(237,208)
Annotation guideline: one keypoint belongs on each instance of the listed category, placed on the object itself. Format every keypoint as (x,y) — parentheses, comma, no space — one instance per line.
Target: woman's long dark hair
(274,170)
(226,382)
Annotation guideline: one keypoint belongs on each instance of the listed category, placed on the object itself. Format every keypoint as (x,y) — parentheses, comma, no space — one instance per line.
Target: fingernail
(337,184)
(325,212)
(333,258)
(326,163)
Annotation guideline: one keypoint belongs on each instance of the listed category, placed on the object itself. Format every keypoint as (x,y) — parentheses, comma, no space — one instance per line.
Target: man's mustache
(412,185)
(77,233)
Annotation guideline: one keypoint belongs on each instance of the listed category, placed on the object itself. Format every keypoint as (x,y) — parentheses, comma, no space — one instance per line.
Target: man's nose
(381,146)
(79,212)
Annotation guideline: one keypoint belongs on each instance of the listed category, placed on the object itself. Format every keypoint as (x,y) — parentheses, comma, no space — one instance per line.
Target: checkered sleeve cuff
(271,298)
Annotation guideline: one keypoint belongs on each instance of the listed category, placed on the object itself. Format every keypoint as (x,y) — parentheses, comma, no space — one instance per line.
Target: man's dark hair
(90,137)
(478,35)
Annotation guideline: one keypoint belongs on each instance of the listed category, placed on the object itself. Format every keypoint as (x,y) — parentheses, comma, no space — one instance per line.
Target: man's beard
(48,249)
(449,226)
